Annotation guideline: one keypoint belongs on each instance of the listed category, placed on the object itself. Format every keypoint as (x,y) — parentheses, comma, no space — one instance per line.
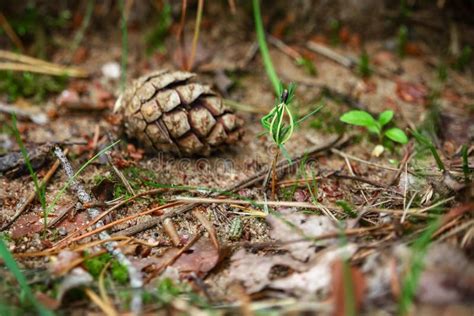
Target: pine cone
(164,111)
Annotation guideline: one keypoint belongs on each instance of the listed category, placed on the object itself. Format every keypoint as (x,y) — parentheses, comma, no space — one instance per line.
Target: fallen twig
(120,175)
(345,61)
(19,62)
(32,194)
(11,32)
(35,115)
(252,180)
(136,281)
(175,257)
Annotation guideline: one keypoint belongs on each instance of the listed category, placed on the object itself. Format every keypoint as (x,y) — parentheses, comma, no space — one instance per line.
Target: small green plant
(280,121)
(97,264)
(427,143)
(334,29)
(156,37)
(412,277)
(377,127)
(347,208)
(307,65)
(70,181)
(28,85)
(464,58)
(25,289)
(442,71)
(124,53)
(363,67)
(402,40)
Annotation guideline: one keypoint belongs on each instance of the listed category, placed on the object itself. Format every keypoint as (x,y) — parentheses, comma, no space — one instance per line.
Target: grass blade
(124,57)
(465,163)
(428,143)
(410,282)
(39,189)
(262,43)
(69,182)
(25,288)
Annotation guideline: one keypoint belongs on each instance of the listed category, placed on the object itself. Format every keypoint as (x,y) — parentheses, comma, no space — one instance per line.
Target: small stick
(345,61)
(32,194)
(204,200)
(351,157)
(11,32)
(252,180)
(170,230)
(336,234)
(197,27)
(331,54)
(60,216)
(274,177)
(56,71)
(179,34)
(113,208)
(175,257)
(135,276)
(120,175)
(358,179)
(284,48)
(406,158)
(208,226)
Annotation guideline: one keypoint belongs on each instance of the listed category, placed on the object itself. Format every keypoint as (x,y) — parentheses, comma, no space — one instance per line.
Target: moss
(29,85)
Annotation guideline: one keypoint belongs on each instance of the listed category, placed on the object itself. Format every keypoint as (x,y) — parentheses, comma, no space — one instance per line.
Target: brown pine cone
(166,111)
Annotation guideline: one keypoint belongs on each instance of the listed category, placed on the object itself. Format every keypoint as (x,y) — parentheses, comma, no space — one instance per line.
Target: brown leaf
(200,259)
(294,226)
(26,225)
(412,92)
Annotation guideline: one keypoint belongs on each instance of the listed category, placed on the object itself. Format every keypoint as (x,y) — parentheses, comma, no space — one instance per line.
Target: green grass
(24,287)
(124,55)
(363,66)
(156,37)
(84,25)
(427,143)
(411,280)
(402,40)
(28,85)
(69,182)
(267,61)
(39,189)
(465,163)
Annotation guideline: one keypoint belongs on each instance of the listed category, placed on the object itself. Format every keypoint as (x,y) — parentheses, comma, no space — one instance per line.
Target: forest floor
(348,230)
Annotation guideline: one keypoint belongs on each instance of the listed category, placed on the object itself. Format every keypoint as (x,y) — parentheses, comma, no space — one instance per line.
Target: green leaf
(397,135)
(374,129)
(359,118)
(385,117)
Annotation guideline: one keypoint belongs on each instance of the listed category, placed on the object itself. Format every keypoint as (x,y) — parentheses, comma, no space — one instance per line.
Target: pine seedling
(280,123)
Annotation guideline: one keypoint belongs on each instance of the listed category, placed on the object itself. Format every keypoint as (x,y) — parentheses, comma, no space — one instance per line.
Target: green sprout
(402,40)
(464,58)
(274,122)
(363,67)
(377,127)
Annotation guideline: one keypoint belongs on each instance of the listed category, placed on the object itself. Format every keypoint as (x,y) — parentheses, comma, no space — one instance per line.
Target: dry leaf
(412,92)
(295,226)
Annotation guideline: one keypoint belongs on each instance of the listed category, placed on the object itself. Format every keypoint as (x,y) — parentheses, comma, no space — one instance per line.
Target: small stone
(62,231)
(111,70)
